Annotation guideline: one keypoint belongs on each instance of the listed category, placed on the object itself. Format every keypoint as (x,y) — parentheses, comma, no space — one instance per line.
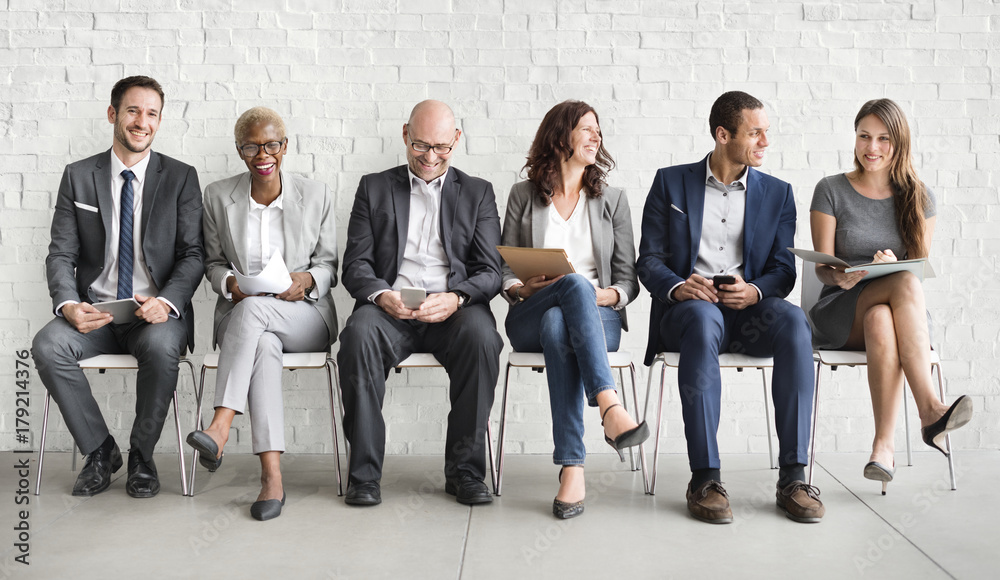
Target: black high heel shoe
(957,415)
(878,472)
(566,510)
(631,438)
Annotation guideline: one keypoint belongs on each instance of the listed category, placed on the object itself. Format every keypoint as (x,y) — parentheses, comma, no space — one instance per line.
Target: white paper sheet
(920,267)
(273,279)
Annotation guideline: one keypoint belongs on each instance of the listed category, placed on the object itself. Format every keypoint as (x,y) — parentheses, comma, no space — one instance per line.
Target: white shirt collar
(436,184)
(277,203)
(708,174)
(139,169)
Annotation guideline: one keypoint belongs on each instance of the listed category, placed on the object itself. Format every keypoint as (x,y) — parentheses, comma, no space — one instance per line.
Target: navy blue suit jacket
(671,233)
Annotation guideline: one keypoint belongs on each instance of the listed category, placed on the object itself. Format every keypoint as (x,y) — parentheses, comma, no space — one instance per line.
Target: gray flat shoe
(267,509)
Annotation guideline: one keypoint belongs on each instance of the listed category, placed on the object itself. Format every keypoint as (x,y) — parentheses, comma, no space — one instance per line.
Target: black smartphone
(716,280)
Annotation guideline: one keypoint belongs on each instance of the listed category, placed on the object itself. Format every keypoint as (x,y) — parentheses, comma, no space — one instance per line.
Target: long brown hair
(551,147)
(909,194)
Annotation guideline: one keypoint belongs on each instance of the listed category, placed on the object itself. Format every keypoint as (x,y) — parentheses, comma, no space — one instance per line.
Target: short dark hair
(551,147)
(122,87)
(727,111)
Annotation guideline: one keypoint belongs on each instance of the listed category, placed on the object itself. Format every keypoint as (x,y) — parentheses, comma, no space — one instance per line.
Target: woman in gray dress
(876,213)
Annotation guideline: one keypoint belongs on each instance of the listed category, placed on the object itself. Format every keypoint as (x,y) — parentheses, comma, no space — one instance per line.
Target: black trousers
(467,344)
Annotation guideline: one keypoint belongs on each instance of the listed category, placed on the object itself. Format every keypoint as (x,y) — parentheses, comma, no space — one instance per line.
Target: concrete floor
(920,529)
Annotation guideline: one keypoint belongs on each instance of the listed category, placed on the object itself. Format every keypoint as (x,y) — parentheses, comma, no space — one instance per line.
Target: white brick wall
(345,73)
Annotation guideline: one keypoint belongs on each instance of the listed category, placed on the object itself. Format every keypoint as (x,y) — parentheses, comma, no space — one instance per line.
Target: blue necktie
(125,260)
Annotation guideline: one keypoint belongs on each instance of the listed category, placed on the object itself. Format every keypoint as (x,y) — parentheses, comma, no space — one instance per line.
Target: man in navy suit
(424,224)
(127,224)
(721,217)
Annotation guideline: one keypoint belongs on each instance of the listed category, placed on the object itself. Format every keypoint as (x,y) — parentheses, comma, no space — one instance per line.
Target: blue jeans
(576,346)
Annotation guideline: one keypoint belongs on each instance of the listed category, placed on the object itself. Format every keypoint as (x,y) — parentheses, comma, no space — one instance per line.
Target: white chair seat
(617,360)
(109,361)
(727,360)
(849,358)
(289,360)
(419,360)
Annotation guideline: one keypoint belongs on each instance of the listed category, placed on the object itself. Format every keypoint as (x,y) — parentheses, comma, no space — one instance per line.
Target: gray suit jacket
(610,224)
(171,231)
(376,236)
(310,238)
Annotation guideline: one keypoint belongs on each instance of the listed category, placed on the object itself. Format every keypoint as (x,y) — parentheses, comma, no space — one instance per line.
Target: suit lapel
(751,213)
(291,218)
(449,205)
(595,209)
(694,192)
(149,189)
(401,207)
(539,221)
(236,216)
(105,204)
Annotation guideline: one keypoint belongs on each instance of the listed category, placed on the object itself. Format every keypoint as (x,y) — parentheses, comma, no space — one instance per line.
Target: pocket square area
(85,206)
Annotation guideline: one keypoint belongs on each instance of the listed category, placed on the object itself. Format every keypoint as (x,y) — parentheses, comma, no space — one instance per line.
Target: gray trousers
(252,337)
(58,347)
(467,344)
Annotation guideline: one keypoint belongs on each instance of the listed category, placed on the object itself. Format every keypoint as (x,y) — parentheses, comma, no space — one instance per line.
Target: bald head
(431,126)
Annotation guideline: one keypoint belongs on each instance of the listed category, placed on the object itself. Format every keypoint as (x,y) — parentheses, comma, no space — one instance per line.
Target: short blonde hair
(251,117)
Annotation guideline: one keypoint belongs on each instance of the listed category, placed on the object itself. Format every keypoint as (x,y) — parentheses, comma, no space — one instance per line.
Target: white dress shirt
(265,236)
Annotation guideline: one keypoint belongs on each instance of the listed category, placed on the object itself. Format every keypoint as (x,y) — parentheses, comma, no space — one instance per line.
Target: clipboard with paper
(920,267)
(273,279)
(530,262)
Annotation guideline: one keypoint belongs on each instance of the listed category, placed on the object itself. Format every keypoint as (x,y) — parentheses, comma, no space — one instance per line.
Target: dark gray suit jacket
(310,238)
(610,225)
(376,234)
(171,231)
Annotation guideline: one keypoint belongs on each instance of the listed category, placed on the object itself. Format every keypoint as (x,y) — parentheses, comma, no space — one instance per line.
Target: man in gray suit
(430,226)
(127,224)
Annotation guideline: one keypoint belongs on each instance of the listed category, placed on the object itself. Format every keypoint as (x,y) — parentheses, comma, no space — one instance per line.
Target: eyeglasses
(438,149)
(271,148)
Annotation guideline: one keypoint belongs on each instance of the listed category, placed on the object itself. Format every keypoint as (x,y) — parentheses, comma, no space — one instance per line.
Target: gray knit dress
(864,226)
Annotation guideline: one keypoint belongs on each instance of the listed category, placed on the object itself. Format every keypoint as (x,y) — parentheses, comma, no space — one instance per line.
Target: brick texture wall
(344,74)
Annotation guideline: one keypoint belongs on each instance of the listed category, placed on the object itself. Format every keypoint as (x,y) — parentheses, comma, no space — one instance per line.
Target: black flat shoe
(468,490)
(267,509)
(208,450)
(878,472)
(566,510)
(95,476)
(143,481)
(363,494)
(957,415)
(631,438)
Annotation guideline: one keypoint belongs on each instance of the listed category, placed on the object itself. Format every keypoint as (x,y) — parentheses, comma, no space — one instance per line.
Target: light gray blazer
(610,224)
(310,238)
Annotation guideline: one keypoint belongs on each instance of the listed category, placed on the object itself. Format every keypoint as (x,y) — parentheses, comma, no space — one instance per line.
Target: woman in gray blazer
(574,320)
(250,220)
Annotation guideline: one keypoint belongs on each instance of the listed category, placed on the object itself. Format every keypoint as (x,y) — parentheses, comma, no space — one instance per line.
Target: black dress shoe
(207,450)
(267,509)
(468,490)
(957,415)
(95,476)
(364,493)
(142,479)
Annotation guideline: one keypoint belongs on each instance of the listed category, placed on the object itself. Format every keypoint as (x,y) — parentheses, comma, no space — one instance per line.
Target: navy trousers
(701,330)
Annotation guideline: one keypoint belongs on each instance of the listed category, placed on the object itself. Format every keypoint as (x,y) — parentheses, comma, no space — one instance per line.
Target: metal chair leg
(767,420)
(330,366)
(198,426)
(498,488)
(812,445)
(41,446)
(621,379)
(180,445)
(635,399)
(906,423)
(651,481)
(947,438)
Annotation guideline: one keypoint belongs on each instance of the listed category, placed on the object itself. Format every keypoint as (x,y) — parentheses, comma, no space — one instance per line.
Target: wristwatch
(463,298)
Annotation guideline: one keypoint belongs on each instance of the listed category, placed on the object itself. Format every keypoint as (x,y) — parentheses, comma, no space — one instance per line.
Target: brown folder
(530,262)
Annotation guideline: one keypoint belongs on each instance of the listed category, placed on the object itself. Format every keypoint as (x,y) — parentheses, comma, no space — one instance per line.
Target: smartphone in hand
(716,280)
(412,297)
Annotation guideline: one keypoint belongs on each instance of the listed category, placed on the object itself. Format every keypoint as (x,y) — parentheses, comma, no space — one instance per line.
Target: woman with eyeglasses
(576,319)
(250,220)
(881,212)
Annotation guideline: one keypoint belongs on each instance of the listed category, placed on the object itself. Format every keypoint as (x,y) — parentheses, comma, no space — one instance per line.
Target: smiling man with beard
(127,224)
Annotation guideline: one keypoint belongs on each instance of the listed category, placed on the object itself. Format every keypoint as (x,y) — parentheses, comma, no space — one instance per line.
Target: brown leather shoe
(800,502)
(710,503)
